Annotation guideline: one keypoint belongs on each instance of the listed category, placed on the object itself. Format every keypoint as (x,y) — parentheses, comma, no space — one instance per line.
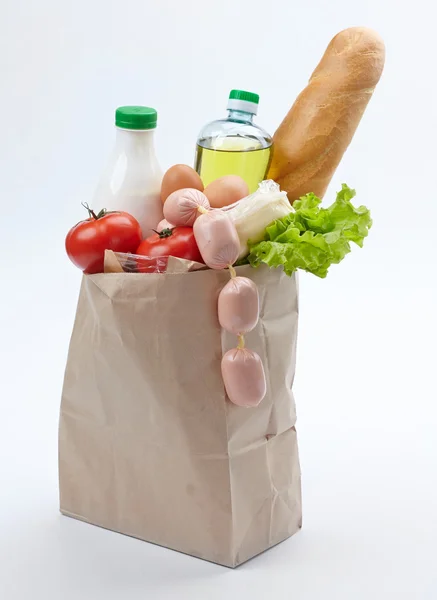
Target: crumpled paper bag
(149,444)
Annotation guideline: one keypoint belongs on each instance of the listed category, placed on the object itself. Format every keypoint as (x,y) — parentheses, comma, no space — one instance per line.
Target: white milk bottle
(132,179)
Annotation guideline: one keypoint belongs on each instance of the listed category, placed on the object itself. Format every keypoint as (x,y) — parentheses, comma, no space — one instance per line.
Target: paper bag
(149,444)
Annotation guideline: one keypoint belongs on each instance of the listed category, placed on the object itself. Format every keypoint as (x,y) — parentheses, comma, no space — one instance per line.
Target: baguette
(311,140)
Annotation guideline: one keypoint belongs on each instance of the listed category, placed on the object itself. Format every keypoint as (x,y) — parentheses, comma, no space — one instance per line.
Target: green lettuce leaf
(313,238)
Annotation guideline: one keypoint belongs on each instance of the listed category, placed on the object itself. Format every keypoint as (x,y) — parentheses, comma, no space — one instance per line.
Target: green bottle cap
(245,96)
(136,117)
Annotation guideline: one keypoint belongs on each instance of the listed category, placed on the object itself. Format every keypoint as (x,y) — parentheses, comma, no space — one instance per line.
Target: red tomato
(87,241)
(178,242)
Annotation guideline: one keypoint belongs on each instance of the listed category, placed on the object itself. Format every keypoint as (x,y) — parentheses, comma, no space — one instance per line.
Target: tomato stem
(92,214)
(165,233)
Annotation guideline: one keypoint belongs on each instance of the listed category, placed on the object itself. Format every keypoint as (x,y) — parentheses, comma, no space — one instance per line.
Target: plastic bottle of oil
(235,146)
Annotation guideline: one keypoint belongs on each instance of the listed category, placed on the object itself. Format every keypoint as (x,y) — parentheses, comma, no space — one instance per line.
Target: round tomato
(178,242)
(87,241)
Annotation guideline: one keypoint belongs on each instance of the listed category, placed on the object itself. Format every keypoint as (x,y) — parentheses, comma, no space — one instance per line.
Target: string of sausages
(238,303)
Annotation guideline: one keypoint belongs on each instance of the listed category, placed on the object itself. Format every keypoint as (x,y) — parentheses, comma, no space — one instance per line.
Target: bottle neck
(139,141)
(240,115)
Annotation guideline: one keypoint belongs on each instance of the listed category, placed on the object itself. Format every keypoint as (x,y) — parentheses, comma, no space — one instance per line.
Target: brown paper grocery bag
(150,446)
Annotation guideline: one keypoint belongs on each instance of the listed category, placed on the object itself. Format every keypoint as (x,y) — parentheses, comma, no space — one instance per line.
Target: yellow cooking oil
(235,145)
(233,156)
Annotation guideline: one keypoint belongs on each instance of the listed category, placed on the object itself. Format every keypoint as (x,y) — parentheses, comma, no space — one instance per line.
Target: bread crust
(311,140)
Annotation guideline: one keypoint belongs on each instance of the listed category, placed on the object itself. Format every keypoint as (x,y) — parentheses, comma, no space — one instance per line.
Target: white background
(366,377)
